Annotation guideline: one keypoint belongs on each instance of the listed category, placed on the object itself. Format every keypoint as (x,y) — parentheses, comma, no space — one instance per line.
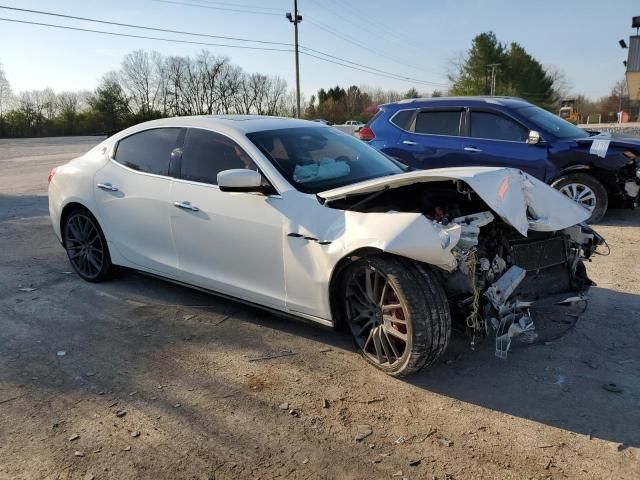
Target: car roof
(238,123)
(511,102)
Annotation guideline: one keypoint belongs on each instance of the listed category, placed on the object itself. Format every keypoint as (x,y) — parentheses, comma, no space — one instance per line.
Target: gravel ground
(138,378)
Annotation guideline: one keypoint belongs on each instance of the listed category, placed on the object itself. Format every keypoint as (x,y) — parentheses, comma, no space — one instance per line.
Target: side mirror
(242,180)
(534,137)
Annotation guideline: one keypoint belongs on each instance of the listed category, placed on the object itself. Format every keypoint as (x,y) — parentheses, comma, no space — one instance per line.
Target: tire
(86,246)
(400,317)
(581,187)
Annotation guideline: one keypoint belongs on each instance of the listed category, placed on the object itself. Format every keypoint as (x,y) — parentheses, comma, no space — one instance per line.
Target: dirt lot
(213,389)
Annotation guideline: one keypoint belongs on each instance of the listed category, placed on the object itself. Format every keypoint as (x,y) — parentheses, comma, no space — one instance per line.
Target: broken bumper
(523,318)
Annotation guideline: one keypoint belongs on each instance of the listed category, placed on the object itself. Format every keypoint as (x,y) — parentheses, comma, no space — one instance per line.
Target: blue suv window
(436,122)
(402,119)
(492,126)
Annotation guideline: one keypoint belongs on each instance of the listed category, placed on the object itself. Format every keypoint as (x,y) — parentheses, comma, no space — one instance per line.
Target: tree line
(147,86)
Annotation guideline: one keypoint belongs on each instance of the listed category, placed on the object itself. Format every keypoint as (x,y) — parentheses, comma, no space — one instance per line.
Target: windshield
(314,159)
(552,123)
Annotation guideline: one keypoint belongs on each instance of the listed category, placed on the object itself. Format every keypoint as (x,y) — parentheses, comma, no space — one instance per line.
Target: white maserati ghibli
(306,221)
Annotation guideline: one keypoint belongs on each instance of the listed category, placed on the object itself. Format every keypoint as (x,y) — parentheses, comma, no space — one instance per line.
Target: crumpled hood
(519,199)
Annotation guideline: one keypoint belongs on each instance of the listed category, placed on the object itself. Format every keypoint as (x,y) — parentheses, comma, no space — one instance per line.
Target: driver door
(226,242)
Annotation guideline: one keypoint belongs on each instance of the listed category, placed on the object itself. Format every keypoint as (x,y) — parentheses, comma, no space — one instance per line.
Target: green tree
(518,73)
(411,93)
(110,105)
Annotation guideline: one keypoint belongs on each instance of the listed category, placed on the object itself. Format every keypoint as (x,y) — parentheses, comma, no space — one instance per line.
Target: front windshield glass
(314,159)
(552,123)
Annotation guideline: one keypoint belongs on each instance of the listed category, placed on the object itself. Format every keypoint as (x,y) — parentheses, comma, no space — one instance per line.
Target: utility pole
(295,18)
(494,68)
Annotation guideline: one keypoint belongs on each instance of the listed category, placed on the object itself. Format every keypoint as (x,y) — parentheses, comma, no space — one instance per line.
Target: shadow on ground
(22,206)
(557,391)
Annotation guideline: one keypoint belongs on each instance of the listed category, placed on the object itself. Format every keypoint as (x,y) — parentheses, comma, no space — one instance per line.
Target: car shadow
(620,217)
(555,383)
(22,206)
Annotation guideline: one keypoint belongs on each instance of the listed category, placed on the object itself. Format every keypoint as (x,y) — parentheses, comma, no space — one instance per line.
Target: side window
(207,153)
(402,119)
(439,123)
(148,151)
(496,127)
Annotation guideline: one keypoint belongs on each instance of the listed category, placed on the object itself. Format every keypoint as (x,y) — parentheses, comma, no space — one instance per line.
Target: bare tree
(6,95)
(140,80)
(228,87)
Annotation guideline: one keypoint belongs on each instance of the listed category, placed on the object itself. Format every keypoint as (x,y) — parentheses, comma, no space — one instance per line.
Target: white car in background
(352,127)
(301,219)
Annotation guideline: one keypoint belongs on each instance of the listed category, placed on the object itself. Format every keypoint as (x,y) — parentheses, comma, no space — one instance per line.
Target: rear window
(402,119)
(438,123)
(148,151)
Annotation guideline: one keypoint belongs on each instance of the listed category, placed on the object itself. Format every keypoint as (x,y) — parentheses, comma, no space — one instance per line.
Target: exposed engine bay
(500,275)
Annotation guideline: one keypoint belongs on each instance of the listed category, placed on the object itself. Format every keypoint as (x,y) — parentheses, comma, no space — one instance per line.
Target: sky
(410,38)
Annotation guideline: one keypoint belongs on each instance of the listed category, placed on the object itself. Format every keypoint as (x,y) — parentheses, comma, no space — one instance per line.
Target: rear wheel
(397,313)
(86,246)
(585,190)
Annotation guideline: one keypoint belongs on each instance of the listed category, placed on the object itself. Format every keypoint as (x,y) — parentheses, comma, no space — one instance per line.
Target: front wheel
(397,313)
(86,246)
(585,190)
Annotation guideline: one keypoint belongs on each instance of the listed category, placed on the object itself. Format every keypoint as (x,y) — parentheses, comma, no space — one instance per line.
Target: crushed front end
(504,279)
(510,250)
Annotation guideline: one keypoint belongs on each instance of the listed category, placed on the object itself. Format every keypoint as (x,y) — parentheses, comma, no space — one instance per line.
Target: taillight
(52,174)
(366,134)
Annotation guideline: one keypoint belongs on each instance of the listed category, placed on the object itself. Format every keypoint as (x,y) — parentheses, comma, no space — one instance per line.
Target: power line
(400,76)
(185,4)
(365,47)
(130,35)
(317,24)
(386,75)
(377,31)
(380,25)
(142,27)
(247,47)
(342,17)
(238,5)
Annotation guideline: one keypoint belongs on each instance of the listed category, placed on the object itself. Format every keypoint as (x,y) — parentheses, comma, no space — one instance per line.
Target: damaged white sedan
(306,221)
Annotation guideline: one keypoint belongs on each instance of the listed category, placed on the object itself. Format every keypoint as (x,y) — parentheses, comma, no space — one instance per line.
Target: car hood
(521,200)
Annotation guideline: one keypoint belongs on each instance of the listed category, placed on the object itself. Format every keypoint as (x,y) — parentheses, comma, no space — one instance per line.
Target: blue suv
(592,168)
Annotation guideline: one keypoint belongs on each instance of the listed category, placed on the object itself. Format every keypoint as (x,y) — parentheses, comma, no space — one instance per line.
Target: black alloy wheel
(86,246)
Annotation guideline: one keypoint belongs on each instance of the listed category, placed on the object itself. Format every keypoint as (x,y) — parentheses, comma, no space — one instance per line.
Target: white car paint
(279,250)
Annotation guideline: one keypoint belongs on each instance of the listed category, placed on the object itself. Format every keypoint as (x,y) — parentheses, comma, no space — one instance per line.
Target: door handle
(409,142)
(472,149)
(186,206)
(107,186)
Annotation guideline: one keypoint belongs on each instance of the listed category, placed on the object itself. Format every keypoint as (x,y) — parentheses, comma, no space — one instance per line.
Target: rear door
(430,139)
(494,139)
(132,192)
